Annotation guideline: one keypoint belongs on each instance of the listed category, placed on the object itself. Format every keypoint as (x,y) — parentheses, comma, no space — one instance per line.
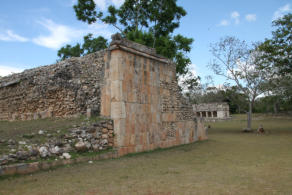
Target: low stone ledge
(25,168)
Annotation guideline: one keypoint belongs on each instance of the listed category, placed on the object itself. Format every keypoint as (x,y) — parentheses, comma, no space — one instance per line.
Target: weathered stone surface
(142,97)
(66,155)
(22,155)
(41,132)
(128,83)
(25,168)
(4,159)
(56,150)
(33,152)
(80,146)
(90,137)
(11,142)
(44,152)
(64,89)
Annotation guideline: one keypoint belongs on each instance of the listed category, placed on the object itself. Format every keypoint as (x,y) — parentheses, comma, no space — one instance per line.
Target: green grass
(230,162)
(12,129)
(28,130)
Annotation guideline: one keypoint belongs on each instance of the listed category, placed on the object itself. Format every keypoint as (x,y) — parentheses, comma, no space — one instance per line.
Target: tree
(276,60)
(70,51)
(172,47)
(89,45)
(190,86)
(147,22)
(236,62)
(235,98)
(277,51)
(198,93)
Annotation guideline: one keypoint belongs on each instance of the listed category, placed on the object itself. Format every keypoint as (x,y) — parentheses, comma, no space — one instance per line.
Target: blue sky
(31,31)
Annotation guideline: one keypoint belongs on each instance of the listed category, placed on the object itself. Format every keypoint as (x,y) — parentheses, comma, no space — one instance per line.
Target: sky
(32,31)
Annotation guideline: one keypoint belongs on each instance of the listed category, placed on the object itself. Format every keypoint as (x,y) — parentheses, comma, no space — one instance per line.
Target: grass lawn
(28,130)
(13,129)
(230,162)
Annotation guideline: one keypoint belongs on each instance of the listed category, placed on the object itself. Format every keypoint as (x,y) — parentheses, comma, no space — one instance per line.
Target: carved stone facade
(212,110)
(128,83)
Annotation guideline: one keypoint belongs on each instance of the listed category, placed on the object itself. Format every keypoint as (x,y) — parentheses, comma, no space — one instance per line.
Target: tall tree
(276,60)
(236,62)
(148,22)
(277,51)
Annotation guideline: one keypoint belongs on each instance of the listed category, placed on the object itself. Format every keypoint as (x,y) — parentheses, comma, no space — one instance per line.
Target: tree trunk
(276,106)
(249,116)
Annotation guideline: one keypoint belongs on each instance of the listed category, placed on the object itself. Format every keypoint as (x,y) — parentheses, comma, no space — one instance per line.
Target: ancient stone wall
(88,137)
(142,97)
(64,89)
(128,83)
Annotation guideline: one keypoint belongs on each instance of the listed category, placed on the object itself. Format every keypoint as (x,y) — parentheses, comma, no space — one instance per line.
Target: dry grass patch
(230,162)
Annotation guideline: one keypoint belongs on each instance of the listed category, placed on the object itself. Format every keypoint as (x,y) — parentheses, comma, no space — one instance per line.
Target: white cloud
(101,4)
(251,17)
(191,74)
(73,2)
(193,70)
(118,3)
(224,23)
(60,34)
(6,70)
(235,16)
(9,35)
(100,29)
(282,11)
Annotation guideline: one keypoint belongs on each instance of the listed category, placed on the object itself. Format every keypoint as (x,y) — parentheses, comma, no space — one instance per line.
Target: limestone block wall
(142,97)
(64,89)
(128,83)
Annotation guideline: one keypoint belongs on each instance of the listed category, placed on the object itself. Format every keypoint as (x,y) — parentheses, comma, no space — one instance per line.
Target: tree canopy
(234,60)
(160,17)
(277,51)
(89,45)
(276,60)
(149,22)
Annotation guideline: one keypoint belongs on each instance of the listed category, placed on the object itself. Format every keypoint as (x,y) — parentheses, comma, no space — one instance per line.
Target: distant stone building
(212,110)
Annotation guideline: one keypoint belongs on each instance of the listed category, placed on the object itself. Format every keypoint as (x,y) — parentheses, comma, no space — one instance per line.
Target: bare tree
(236,62)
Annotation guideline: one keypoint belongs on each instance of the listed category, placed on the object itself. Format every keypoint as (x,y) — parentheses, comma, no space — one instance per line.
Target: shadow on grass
(183,147)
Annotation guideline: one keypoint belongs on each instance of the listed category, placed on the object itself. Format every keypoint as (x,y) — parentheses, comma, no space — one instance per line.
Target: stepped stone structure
(212,110)
(128,83)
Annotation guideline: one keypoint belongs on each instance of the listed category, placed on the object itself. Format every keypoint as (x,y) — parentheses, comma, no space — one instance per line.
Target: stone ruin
(212,110)
(127,83)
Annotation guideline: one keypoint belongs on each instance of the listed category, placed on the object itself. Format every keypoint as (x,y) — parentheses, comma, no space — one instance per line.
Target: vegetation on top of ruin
(150,23)
(90,45)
